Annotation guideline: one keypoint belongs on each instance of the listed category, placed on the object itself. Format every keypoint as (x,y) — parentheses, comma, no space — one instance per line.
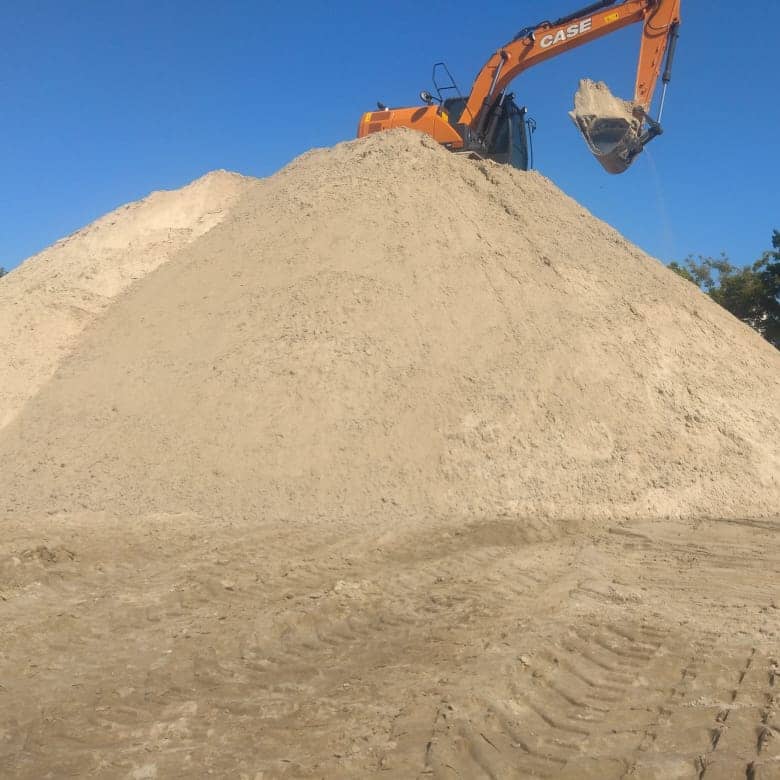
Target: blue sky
(103,102)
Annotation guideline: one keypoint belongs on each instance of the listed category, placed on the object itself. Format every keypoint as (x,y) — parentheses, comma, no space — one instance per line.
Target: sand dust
(408,467)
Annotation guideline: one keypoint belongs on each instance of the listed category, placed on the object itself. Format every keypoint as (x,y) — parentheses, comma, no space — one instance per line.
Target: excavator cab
(510,141)
(507,139)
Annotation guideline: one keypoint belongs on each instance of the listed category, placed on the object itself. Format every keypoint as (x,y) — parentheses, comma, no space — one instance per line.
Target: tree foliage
(3,272)
(751,293)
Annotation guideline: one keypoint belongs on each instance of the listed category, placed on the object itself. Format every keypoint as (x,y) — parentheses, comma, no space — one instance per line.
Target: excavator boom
(534,45)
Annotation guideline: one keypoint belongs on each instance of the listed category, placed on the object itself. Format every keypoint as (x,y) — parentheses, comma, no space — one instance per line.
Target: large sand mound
(48,301)
(384,328)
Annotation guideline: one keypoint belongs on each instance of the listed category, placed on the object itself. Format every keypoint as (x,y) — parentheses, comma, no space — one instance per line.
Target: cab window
(519,147)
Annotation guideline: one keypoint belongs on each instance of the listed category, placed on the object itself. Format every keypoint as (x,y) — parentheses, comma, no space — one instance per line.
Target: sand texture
(407,466)
(48,301)
(595,99)
(387,324)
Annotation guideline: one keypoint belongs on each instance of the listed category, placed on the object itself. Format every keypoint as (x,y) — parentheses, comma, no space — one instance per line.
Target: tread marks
(661,747)
(613,672)
(749,737)
(578,704)
(543,712)
(623,657)
(597,686)
(737,734)
(483,740)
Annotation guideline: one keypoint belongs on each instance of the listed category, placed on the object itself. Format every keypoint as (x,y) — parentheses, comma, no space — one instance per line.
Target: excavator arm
(534,45)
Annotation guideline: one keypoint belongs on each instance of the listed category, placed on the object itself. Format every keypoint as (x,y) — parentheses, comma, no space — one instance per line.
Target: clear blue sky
(103,102)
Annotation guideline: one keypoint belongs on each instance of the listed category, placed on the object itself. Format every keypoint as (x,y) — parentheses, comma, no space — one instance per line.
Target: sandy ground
(181,647)
(408,467)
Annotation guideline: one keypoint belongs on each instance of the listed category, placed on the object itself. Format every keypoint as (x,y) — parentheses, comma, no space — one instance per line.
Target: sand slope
(47,302)
(371,480)
(385,324)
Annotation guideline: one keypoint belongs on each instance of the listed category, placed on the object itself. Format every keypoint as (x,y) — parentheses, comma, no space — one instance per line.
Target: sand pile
(386,329)
(48,301)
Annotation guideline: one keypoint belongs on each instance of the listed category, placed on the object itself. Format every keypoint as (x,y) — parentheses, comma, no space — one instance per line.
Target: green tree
(751,293)
(3,272)
(705,271)
(770,278)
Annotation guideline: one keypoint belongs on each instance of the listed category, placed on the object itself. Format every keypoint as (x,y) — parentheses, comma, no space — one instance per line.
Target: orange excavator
(488,123)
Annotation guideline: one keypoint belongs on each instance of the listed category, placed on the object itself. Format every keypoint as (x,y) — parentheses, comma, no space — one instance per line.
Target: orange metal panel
(426,119)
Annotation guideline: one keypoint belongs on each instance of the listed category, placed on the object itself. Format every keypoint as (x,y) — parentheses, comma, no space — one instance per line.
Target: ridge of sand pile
(385,329)
(48,301)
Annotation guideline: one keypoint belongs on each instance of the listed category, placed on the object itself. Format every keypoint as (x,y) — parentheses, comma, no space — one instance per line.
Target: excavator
(489,124)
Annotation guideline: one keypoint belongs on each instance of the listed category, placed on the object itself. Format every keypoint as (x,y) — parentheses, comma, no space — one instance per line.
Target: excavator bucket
(613,141)
(611,127)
